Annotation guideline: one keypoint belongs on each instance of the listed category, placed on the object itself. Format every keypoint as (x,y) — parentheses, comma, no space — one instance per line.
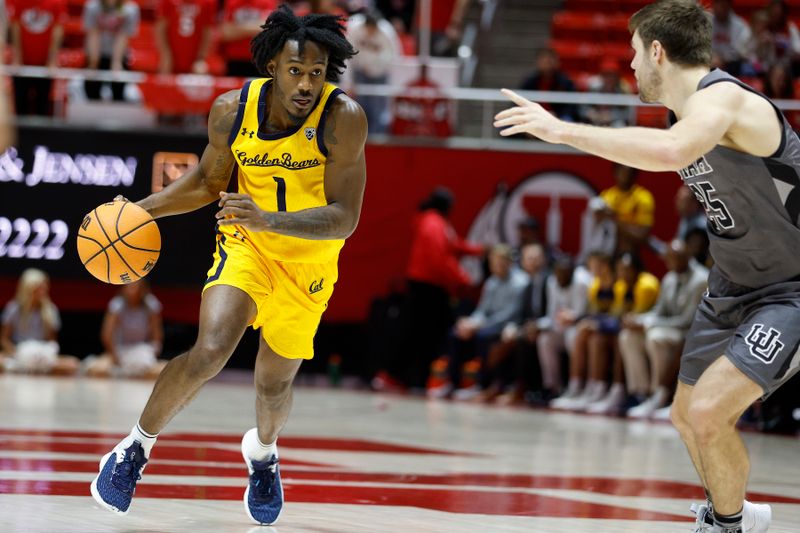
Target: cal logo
(310,132)
(315,286)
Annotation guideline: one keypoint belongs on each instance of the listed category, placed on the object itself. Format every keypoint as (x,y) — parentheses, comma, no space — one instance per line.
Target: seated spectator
(548,77)
(762,46)
(633,209)
(785,35)
(567,301)
(446,25)
(399,12)
(658,334)
(778,82)
(608,81)
(241,21)
(590,332)
(378,46)
(108,24)
(499,304)
(183,35)
(37,28)
(731,38)
(433,276)
(635,291)
(29,334)
(132,335)
(698,246)
(690,213)
(603,236)
(512,362)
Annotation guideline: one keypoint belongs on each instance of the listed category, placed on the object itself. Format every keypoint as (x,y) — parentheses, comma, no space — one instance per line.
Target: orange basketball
(119,242)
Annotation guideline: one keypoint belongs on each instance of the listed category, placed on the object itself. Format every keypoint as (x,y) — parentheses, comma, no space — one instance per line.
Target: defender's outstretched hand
(527,117)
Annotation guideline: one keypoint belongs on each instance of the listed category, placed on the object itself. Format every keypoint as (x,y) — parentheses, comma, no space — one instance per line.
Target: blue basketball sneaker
(120,469)
(263,498)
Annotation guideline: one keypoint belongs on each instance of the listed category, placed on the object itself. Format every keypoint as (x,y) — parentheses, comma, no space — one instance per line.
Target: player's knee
(207,358)
(273,389)
(705,420)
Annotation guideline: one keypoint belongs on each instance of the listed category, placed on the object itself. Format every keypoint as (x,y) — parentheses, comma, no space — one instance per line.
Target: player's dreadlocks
(324,30)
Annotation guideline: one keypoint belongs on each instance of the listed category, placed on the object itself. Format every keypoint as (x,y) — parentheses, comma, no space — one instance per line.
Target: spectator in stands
(108,24)
(241,21)
(399,12)
(499,304)
(608,81)
(548,77)
(446,25)
(183,35)
(567,301)
(635,291)
(132,334)
(762,49)
(731,38)
(433,275)
(378,46)
(698,243)
(690,213)
(633,209)
(3,30)
(590,332)
(37,29)
(785,35)
(658,334)
(778,81)
(511,363)
(29,332)
(603,236)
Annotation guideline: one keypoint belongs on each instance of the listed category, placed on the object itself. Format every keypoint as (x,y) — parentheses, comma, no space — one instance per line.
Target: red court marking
(458,501)
(65,465)
(313,443)
(652,488)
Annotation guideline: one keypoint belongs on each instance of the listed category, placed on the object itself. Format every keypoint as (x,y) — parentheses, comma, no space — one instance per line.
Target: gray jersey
(752,205)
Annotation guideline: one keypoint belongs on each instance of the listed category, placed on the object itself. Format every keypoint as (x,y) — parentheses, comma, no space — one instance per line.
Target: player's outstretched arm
(704,122)
(345,177)
(202,184)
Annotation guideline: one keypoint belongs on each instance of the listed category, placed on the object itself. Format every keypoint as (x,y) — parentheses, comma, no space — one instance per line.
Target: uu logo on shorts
(764,345)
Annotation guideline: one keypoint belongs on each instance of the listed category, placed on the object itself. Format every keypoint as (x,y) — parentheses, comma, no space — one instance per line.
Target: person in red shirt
(433,275)
(183,35)
(37,28)
(242,20)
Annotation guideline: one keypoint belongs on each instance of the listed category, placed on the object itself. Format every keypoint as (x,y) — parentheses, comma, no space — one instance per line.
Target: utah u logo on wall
(764,345)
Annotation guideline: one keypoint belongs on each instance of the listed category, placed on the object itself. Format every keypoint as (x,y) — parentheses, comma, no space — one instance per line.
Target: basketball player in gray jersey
(740,157)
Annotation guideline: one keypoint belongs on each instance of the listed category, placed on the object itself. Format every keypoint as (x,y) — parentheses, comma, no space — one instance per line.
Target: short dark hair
(283,25)
(683,27)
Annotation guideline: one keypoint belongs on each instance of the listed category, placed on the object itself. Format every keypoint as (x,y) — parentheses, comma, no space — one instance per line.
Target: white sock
(147,440)
(257,450)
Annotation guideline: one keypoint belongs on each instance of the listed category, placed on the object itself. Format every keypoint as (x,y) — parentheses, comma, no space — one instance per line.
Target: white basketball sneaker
(756,517)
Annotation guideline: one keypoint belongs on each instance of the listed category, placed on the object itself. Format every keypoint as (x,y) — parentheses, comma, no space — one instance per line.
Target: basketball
(118,242)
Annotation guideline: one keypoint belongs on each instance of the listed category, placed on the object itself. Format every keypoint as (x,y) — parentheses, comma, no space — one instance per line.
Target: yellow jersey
(282,171)
(635,206)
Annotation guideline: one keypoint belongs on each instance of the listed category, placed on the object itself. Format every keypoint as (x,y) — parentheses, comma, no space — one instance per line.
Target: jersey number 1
(281,193)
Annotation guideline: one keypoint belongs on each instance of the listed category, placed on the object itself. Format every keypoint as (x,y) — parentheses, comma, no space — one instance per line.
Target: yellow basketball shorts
(290,297)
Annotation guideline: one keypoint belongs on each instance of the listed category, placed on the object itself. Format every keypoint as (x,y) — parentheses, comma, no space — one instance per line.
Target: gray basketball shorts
(758,330)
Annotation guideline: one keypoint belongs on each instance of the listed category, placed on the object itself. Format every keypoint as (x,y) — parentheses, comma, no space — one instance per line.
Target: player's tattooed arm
(202,184)
(344,136)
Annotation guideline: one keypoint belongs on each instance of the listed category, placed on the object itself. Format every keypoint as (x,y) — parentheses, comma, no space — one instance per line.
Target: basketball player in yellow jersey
(298,143)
